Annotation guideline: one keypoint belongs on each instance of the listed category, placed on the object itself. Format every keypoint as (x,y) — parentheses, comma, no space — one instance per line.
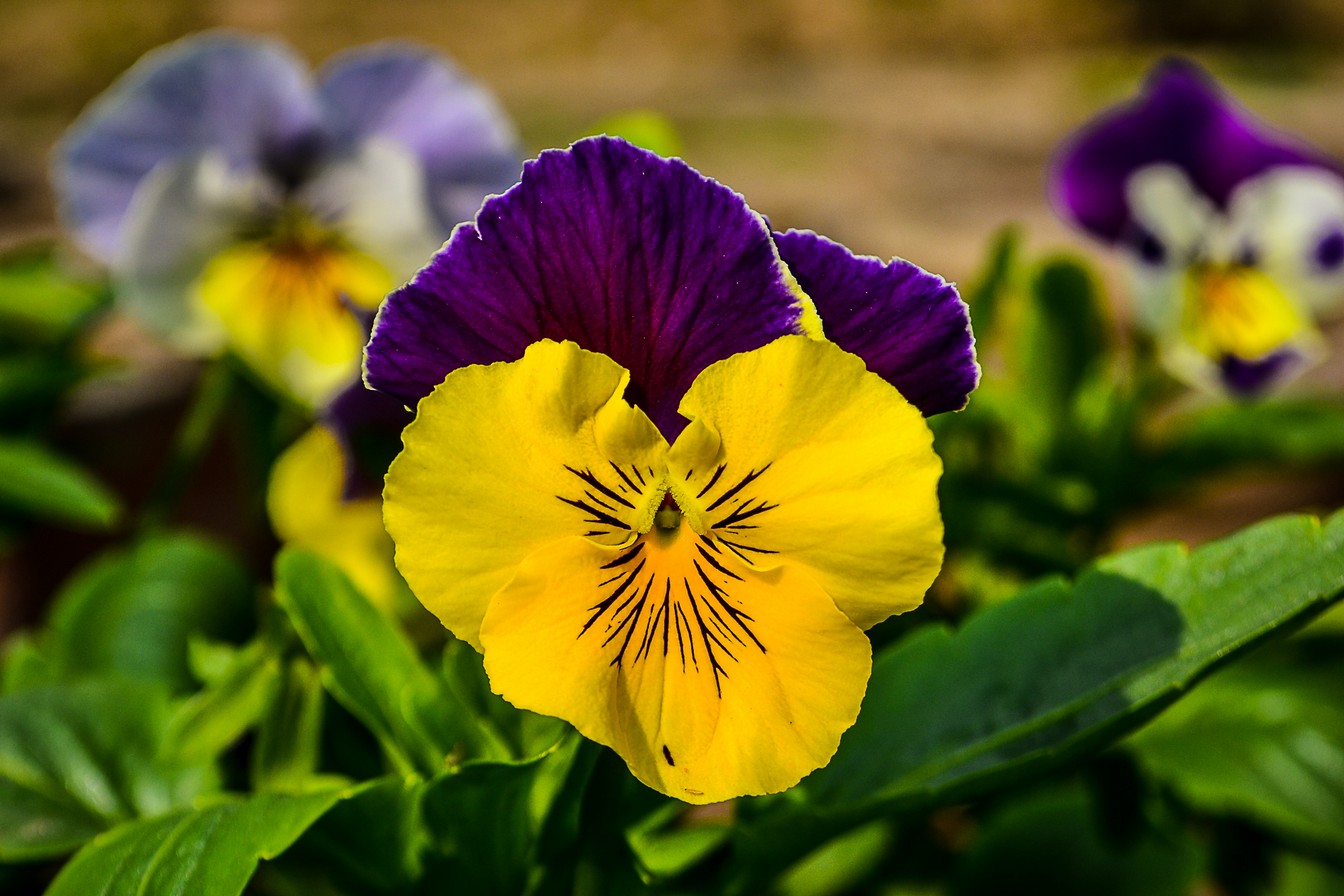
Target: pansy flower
(1234,232)
(242,204)
(643,485)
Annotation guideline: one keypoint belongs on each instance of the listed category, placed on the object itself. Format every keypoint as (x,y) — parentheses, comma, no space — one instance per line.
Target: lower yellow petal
(306,509)
(711,680)
(504,459)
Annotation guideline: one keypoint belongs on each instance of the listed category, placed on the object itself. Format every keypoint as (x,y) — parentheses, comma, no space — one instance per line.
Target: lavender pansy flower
(1234,231)
(240,203)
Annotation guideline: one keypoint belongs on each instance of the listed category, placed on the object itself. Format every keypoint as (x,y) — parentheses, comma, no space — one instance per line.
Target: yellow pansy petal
(800,457)
(737,682)
(1239,311)
(504,459)
(284,311)
(306,509)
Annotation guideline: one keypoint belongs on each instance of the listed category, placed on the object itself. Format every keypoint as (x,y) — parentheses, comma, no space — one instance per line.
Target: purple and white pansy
(242,203)
(1234,231)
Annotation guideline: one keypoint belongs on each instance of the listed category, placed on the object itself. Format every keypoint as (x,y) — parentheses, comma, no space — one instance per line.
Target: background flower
(240,203)
(1234,232)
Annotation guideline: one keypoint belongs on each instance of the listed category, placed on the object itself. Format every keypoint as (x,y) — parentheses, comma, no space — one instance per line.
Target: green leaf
(370,843)
(1064,337)
(78,759)
(1050,842)
(39,300)
(210,721)
(36,483)
(207,852)
(1064,668)
(133,612)
(1270,433)
(481,820)
(985,295)
(289,739)
(1278,722)
(368,665)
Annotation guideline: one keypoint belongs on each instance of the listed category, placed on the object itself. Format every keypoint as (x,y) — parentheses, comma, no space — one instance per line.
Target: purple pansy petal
(420,100)
(365,423)
(628,254)
(909,326)
(1253,377)
(249,100)
(1183,118)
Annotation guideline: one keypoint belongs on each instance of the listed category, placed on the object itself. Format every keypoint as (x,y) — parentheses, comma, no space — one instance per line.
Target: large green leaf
(78,759)
(36,483)
(1278,723)
(133,612)
(1067,667)
(212,851)
(369,666)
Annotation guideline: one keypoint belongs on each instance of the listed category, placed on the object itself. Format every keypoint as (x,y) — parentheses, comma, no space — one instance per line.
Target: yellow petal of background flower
(818,464)
(494,468)
(305,506)
(284,311)
(706,694)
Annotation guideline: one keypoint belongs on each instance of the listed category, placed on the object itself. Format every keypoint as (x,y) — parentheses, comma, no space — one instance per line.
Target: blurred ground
(899,127)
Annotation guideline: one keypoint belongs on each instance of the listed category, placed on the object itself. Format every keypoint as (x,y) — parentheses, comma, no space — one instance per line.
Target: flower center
(1237,311)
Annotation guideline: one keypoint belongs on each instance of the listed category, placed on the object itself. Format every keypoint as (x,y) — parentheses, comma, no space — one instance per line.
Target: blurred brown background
(910,127)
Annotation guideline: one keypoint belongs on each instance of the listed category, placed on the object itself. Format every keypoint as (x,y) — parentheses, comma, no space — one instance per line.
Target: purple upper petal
(628,254)
(1183,118)
(909,326)
(420,100)
(246,99)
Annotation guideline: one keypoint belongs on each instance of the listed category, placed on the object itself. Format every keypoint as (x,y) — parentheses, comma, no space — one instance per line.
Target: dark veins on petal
(626,253)
(643,610)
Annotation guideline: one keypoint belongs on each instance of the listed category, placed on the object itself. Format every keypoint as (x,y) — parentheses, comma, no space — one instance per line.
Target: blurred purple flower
(1234,231)
(241,203)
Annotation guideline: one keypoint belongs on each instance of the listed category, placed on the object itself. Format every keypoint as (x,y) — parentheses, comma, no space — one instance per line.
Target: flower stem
(194,437)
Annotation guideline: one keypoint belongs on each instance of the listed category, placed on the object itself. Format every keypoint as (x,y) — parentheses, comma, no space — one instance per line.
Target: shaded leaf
(134,612)
(213,719)
(78,759)
(1278,723)
(40,301)
(1051,842)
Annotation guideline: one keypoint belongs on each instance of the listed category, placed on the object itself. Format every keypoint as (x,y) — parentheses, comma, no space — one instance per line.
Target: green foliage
(1277,721)
(1063,667)
(40,301)
(211,851)
(76,760)
(1054,842)
(370,667)
(36,483)
(133,612)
